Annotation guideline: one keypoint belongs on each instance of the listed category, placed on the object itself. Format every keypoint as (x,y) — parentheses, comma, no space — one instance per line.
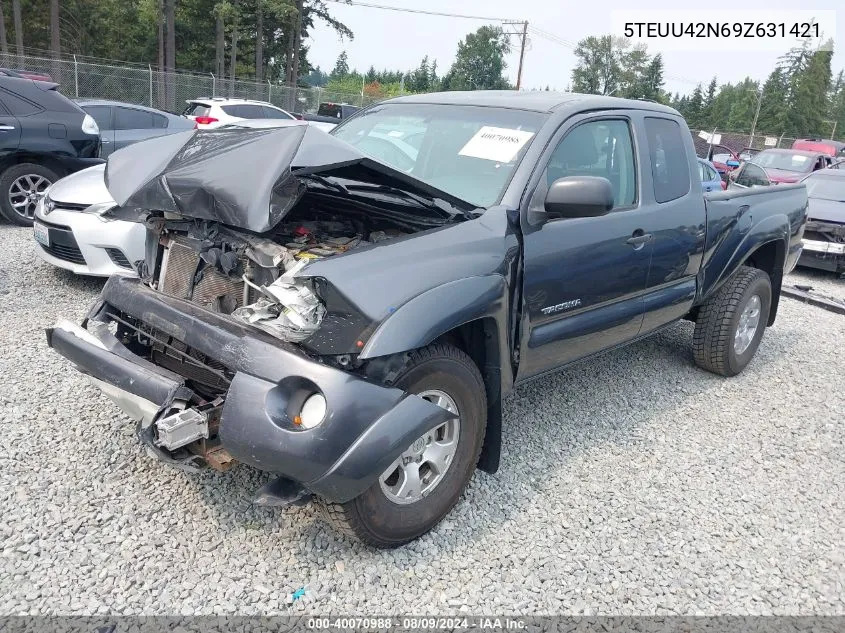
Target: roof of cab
(534,100)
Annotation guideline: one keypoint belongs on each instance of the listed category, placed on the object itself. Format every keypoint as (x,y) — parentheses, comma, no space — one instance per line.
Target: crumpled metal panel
(245,178)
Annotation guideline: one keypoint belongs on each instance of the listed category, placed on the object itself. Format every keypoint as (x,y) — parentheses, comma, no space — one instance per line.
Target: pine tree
(653,79)
(773,103)
(707,118)
(807,109)
(694,108)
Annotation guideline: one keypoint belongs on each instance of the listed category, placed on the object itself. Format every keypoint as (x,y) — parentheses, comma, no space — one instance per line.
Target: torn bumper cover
(365,428)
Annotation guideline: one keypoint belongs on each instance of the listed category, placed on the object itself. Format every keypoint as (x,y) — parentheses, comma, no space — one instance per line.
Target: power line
(372,5)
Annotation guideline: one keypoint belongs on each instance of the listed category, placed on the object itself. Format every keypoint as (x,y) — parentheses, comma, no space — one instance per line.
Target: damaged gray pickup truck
(347,311)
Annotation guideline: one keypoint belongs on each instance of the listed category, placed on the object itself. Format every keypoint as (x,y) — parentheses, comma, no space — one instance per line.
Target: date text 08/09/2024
(417,623)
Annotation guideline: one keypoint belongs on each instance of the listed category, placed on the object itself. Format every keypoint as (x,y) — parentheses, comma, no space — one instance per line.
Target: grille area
(173,354)
(118,258)
(68,253)
(63,244)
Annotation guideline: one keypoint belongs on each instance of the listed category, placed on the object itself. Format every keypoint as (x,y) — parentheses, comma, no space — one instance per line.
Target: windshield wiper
(436,204)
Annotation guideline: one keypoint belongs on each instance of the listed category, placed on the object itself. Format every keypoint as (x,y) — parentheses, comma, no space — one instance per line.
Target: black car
(43,137)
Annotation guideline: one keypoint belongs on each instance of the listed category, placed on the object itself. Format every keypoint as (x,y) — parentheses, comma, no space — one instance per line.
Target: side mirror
(578,197)
(732,163)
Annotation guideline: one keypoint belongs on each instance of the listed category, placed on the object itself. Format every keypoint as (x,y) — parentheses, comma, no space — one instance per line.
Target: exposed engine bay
(254,278)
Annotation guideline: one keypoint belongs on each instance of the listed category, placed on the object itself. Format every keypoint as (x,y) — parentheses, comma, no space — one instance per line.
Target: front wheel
(731,324)
(21,188)
(423,484)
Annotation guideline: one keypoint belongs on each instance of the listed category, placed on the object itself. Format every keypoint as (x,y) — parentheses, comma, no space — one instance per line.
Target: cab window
(598,148)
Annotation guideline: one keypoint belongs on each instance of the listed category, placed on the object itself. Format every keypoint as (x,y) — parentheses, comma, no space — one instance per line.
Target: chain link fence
(81,77)
(737,141)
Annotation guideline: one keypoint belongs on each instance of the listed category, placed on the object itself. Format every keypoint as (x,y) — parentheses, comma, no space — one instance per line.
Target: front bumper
(92,235)
(367,426)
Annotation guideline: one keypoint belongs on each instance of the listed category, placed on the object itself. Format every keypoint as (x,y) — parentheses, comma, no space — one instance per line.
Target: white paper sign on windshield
(496,143)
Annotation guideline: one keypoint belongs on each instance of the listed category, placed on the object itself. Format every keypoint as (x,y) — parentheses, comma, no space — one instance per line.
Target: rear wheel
(21,187)
(731,324)
(423,484)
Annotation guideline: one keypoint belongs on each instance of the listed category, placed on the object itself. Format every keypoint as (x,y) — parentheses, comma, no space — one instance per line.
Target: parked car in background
(209,113)
(748,175)
(821,145)
(122,124)
(725,160)
(337,110)
(72,232)
(790,165)
(352,326)
(24,74)
(43,136)
(824,235)
(710,178)
(329,114)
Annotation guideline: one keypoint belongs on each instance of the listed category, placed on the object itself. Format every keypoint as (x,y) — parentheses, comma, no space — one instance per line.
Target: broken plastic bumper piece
(365,426)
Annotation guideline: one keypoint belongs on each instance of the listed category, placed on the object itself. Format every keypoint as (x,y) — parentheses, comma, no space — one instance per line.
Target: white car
(72,233)
(216,111)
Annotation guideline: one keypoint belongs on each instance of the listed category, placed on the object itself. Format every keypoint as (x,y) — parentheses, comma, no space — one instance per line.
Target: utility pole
(521,54)
(523,35)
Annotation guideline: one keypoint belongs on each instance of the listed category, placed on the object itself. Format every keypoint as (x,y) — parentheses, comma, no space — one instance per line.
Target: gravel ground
(631,484)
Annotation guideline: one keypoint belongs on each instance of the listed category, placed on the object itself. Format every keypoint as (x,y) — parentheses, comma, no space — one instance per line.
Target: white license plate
(42,234)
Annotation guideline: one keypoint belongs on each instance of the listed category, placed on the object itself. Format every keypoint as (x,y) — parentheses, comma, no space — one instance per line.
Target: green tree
(773,103)
(480,61)
(341,67)
(421,77)
(808,105)
(744,106)
(707,118)
(694,108)
(597,70)
(652,84)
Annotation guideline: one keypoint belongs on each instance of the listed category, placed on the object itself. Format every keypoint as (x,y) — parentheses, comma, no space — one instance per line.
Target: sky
(394,40)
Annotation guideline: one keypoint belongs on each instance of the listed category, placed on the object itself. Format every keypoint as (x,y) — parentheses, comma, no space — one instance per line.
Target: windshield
(784,160)
(826,187)
(467,151)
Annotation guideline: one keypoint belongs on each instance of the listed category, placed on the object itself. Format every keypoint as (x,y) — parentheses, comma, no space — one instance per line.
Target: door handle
(6,128)
(639,239)
(104,141)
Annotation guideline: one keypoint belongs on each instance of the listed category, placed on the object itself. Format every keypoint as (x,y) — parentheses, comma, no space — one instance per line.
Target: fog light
(313,411)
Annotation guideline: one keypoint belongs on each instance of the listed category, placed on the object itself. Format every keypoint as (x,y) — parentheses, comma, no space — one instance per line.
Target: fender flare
(437,311)
(771,229)
(423,319)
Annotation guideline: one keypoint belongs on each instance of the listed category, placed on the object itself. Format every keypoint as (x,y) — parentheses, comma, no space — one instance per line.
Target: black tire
(718,320)
(8,179)
(376,520)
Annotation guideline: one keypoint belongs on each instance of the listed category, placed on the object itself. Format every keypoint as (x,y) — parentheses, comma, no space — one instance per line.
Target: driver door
(584,278)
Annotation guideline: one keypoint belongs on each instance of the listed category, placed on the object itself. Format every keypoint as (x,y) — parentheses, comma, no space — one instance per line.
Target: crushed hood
(245,178)
(823,210)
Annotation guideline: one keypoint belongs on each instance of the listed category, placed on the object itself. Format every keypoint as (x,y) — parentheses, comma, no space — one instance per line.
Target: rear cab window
(668,158)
